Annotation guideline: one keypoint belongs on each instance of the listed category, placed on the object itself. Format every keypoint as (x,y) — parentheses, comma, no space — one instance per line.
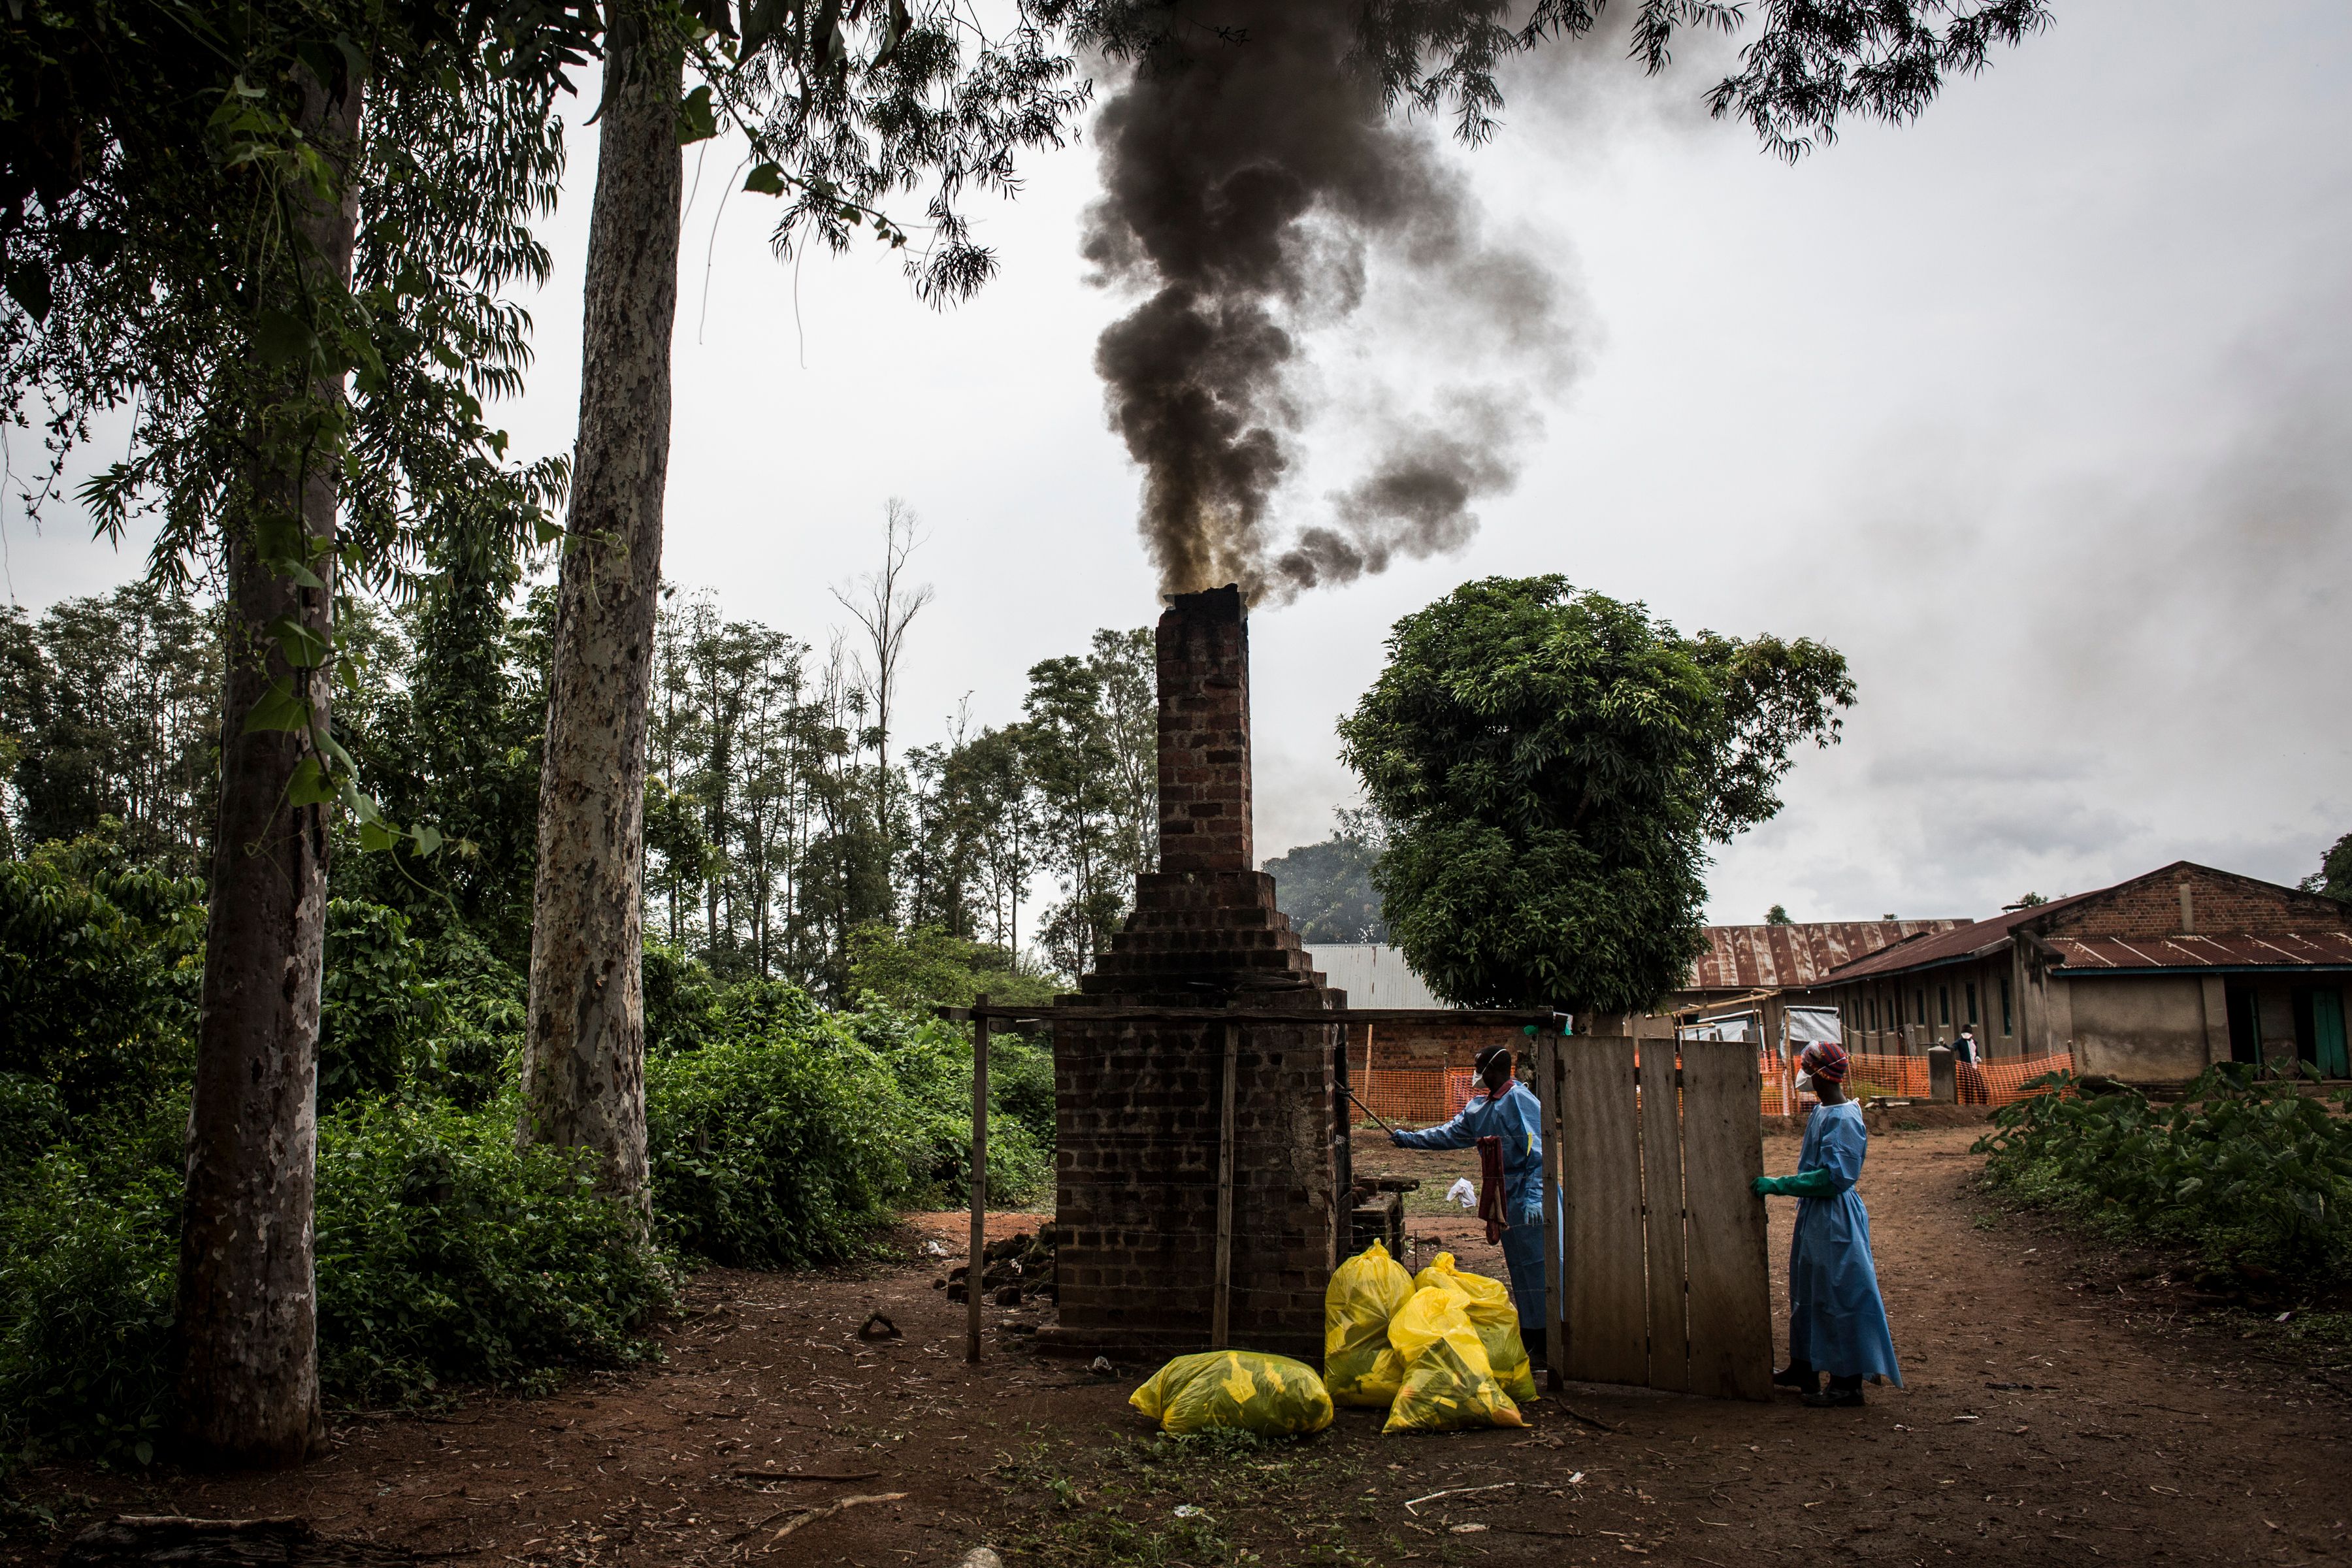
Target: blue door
(2328,1033)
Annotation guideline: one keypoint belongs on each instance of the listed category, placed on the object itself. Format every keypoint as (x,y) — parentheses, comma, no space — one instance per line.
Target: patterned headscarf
(1824,1059)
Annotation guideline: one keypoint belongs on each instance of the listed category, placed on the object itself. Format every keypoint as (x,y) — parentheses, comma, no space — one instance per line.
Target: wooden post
(977,1267)
(1547,1119)
(1221,1320)
(1368,1064)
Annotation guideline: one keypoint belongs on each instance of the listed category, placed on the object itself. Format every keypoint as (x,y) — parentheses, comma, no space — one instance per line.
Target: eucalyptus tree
(1088,743)
(845,106)
(114,704)
(301,305)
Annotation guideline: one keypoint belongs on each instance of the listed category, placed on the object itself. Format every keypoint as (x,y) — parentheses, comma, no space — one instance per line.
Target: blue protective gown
(1837,1323)
(1515,1115)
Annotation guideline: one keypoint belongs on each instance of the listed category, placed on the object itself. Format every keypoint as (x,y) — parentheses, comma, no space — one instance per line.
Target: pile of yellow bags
(1245,1391)
(1488,1304)
(1441,1350)
(1360,1365)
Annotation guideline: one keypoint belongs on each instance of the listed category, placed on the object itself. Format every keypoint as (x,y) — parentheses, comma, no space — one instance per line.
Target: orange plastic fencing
(1413,1096)
(2005,1081)
(1992,1084)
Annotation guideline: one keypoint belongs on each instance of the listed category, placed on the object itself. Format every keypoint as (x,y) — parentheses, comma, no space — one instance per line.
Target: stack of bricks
(1138,1102)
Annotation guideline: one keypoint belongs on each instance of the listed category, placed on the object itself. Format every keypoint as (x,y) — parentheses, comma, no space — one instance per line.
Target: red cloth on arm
(1490,1187)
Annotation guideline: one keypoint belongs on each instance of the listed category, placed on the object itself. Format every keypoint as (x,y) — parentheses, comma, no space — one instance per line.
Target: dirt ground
(2059,1407)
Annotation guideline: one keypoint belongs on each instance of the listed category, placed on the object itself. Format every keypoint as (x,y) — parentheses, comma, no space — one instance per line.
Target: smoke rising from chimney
(1256,187)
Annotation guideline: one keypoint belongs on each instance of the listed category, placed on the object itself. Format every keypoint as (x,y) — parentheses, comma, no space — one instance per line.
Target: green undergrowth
(1115,1505)
(781,1134)
(445,1255)
(2246,1177)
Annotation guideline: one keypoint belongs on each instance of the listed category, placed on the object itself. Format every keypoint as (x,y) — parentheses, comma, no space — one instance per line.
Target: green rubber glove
(1818,1182)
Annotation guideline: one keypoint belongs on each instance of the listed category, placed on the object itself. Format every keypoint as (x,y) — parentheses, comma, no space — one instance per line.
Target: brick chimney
(1137,1103)
(1204,734)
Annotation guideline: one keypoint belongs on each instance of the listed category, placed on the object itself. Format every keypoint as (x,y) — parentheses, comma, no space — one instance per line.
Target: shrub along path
(2059,1409)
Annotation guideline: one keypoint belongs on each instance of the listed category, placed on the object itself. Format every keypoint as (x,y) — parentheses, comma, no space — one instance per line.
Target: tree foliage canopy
(1327,888)
(1550,764)
(2334,877)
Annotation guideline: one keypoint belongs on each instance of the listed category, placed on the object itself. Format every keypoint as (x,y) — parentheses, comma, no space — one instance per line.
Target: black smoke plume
(1255,188)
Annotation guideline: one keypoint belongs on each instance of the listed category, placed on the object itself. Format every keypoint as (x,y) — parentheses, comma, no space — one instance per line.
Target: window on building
(1944,1004)
(1919,1005)
(1874,1011)
(1972,1003)
(2007,1027)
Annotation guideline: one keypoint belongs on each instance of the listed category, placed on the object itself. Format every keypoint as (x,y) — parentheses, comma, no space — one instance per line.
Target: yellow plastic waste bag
(1448,1382)
(1360,1366)
(1488,1302)
(1243,1391)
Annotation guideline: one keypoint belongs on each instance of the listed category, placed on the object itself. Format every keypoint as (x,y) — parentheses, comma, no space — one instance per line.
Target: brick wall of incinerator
(1139,1103)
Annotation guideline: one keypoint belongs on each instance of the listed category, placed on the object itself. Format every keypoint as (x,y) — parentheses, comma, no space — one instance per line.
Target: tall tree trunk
(248,1373)
(583,1063)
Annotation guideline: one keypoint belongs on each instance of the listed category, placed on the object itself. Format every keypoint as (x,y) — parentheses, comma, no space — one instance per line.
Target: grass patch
(1160,1502)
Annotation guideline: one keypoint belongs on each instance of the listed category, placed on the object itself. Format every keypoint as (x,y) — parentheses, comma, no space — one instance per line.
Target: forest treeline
(780,822)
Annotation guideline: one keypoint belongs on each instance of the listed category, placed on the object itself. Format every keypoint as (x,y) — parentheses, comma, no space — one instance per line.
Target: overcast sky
(2040,410)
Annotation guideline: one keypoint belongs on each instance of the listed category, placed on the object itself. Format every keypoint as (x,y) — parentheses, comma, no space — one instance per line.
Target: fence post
(977,1267)
(1547,1076)
(1220,1311)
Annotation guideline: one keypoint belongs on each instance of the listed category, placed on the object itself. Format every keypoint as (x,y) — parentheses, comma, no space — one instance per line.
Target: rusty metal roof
(2302,949)
(1963,939)
(1751,958)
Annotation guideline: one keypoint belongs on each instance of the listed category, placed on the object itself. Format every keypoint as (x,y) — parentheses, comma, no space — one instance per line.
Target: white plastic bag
(1463,1193)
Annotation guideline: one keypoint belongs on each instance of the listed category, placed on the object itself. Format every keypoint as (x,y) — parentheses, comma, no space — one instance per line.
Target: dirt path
(2050,1415)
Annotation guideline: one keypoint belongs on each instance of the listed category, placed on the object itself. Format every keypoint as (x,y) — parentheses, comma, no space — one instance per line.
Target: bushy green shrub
(681,999)
(915,970)
(2246,1173)
(377,1011)
(931,1064)
(32,1118)
(780,1149)
(477,1050)
(1020,1084)
(88,1253)
(100,964)
(446,1254)
(443,1255)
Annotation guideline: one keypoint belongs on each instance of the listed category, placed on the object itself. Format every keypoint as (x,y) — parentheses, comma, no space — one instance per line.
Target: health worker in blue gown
(1837,1322)
(1506,1110)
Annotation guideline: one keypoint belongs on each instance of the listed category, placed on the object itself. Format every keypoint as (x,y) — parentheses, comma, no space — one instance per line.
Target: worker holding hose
(1504,1119)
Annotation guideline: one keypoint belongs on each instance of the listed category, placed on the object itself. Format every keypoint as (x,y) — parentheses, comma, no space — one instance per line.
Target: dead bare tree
(885,605)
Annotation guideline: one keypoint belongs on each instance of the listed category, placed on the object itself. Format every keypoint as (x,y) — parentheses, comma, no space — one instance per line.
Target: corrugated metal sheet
(2101,953)
(1960,940)
(1372,974)
(1749,958)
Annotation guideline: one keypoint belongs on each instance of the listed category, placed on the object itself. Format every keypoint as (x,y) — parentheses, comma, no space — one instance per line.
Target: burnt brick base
(1137,1183)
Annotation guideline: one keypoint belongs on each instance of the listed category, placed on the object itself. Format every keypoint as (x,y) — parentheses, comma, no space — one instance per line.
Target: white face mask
(1804,1081)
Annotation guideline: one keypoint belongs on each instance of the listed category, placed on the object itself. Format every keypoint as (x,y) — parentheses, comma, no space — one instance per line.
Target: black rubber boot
(1797,1374)
(1843,1394)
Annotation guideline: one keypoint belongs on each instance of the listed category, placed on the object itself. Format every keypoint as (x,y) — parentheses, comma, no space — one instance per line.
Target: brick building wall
(1139,1104)
(2218,904)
